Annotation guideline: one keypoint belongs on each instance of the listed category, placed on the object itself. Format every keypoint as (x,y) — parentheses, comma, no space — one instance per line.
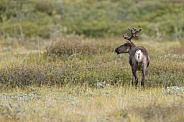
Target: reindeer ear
(128,41)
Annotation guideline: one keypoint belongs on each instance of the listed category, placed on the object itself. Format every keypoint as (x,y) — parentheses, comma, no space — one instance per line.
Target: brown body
(138,56)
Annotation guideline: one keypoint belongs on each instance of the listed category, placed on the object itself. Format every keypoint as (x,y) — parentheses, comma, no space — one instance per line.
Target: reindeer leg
(134,76)
(143,75)
(133,79)
(143,79)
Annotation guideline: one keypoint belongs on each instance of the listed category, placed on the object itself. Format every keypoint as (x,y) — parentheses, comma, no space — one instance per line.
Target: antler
(133,32)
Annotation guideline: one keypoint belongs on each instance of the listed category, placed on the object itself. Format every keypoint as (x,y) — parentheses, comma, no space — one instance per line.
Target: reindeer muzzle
(117,51)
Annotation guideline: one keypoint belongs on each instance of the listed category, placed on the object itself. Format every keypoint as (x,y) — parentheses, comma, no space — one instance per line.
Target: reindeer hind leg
(134,76)
(143,75)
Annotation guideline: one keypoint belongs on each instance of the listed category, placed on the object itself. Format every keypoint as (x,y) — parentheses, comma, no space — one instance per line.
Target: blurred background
(161,20)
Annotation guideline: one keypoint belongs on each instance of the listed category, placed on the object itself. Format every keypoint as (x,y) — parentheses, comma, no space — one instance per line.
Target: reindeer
(138,56)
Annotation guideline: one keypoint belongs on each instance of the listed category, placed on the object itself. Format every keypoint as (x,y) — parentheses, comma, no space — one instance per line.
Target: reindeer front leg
(134,76)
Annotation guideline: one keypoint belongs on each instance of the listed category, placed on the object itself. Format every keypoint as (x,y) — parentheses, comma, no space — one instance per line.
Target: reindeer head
(129,45)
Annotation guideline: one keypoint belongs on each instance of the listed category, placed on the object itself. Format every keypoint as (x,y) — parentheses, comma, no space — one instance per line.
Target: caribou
(138,56)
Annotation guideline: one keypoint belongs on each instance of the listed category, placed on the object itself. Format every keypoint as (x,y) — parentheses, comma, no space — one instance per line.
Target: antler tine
(137,31)
(125,36)
(129,29)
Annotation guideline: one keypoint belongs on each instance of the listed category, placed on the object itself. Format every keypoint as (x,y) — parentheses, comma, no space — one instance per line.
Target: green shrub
(92,19)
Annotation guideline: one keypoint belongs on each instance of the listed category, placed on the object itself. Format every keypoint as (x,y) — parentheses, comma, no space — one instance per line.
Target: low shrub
(69,46)
(70,73)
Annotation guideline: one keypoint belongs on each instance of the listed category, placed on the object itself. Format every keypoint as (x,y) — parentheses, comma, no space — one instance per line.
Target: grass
(88,82)
(88,104)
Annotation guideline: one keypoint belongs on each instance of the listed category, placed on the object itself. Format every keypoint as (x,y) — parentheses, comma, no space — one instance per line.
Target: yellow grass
(86,104)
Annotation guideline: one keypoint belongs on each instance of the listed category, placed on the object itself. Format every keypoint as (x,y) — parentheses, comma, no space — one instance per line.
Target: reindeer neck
(131,47)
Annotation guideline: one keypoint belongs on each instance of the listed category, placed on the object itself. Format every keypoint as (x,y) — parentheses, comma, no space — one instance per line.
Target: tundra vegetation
(57,60)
